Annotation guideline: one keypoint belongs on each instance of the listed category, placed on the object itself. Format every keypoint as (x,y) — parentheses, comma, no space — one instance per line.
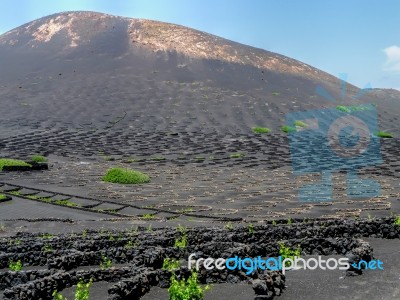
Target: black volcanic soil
(93,91)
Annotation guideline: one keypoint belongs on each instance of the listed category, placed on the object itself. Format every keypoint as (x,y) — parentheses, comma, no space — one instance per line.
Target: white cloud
(392,59)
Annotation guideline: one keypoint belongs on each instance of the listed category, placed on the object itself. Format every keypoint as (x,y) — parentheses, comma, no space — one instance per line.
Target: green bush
(2,197)
(15,265)
(125,176)
(81,293)
(261,130)
(106,263)
(288,129)
(39,158)
(343,108)
(384,134)
(171,264)
(300,124)
(12,163)
(287,252)
(397,221)
(189,289)
(181,242)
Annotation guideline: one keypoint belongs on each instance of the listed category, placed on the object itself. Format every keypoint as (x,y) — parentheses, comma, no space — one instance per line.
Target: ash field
(92,92)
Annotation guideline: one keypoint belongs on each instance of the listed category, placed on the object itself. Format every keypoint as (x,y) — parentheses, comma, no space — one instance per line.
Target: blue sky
(360,38)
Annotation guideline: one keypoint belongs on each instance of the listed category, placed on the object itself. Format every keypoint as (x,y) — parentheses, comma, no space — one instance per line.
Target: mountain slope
(87,70)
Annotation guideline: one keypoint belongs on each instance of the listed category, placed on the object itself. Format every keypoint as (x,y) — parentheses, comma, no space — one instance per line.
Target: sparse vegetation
(287,252)
(229,226)
(343,108)
(129,245)
(38,158)
(171,264)
(237,155)
(384,134)
(251,228)
(46,236)
(300,124)
(182,241)
(348,109)
(189,289)
(397,221)
(125,176)
(288,129)
(81,293)
(275,94)
(15,265)
(261,130)
(48,248)
(44,199)
(106,263)
(148,217)
(66,203)
(12,163)
(2,227)
(2,197)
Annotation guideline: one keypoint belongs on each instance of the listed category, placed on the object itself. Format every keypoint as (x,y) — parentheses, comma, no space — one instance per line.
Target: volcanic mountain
(90,70)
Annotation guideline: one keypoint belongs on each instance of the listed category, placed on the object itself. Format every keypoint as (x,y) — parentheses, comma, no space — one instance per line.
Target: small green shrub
(12,163)
(66,202)
(384,134)
(15,265)
(343,108)
(148,216)
(181,229)
(300,124)
(189,289)
(229,226)
(2,197)
(129,245)
(125,176)
(171,264)
(48,248)
(181,242)
(237,155)
(106,263)
(251,228)
(39,158)
(47,236)
(288,129)
(261,130)
(81,292)
(287,252)
(275,94)
(397,221)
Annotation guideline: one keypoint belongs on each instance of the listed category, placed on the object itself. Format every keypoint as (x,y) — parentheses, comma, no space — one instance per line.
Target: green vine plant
(81,292)
(15,265)
(189,289)
(106,263)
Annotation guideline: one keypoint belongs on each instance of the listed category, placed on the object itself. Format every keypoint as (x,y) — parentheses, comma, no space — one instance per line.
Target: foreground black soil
(57,261)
